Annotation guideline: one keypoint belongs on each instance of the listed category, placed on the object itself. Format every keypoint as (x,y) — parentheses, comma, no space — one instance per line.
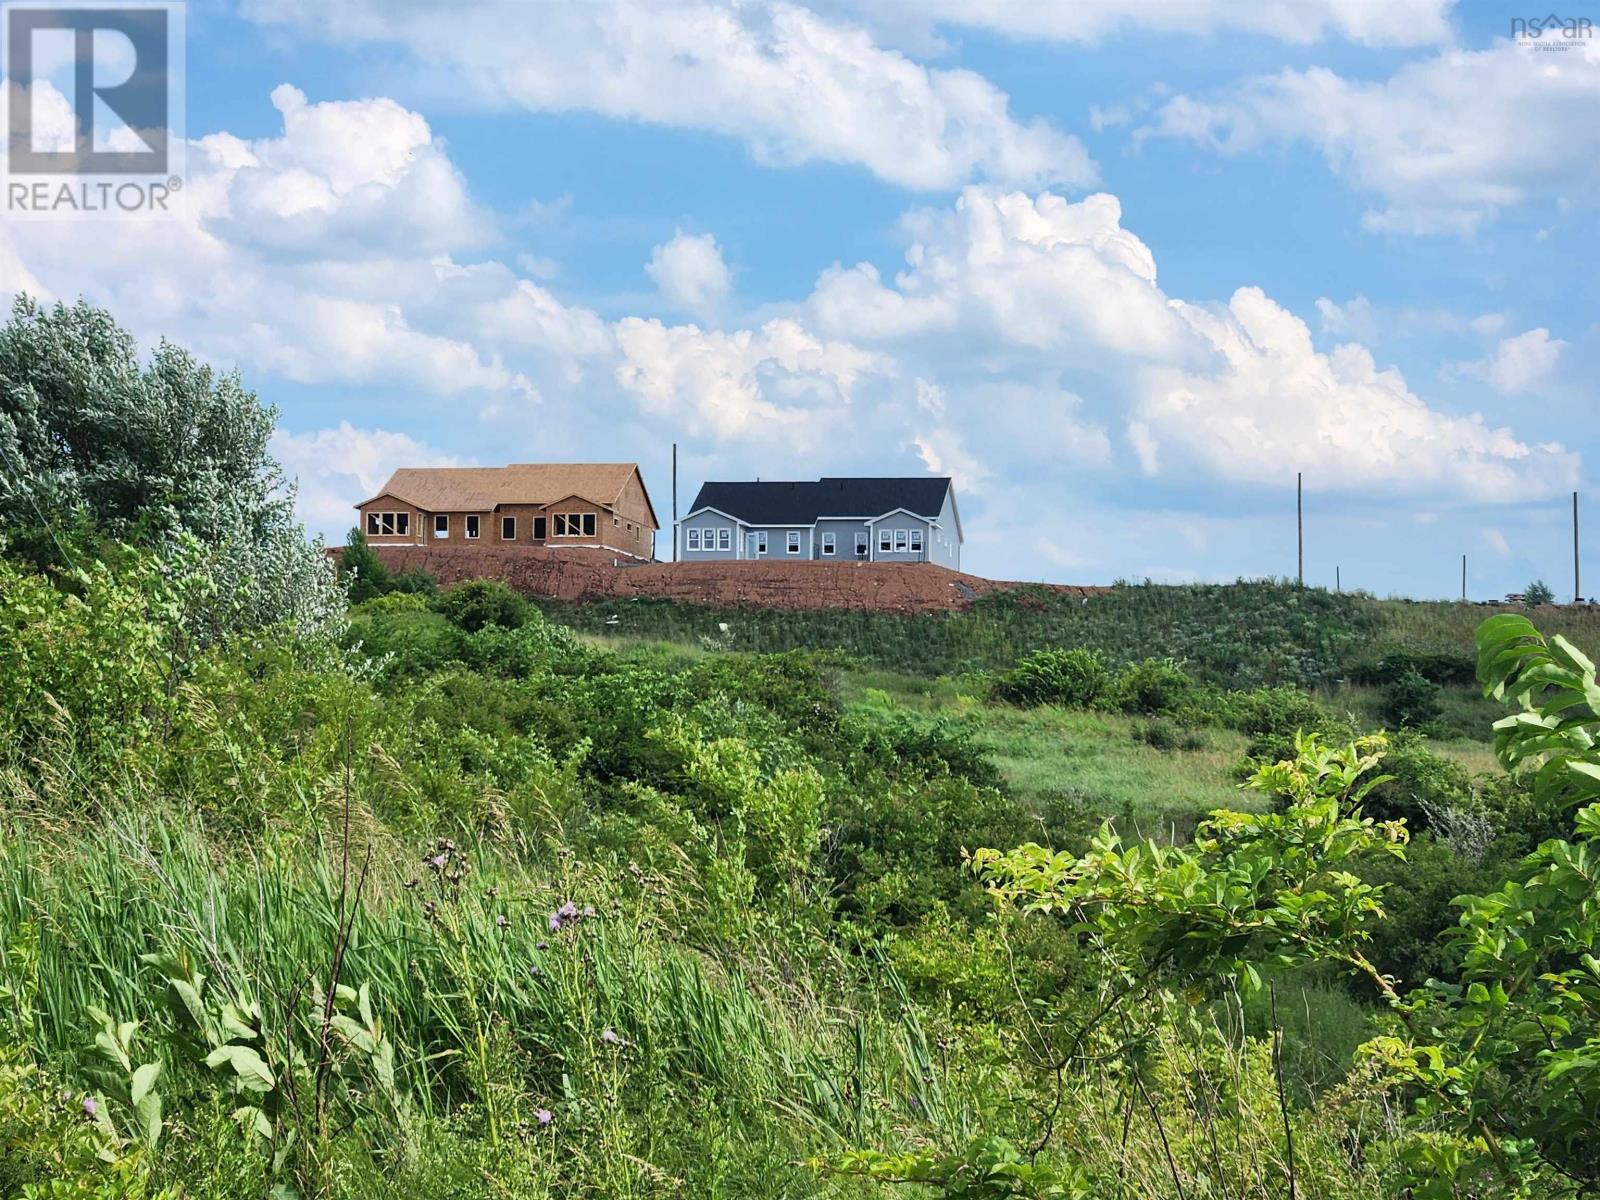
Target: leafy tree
(148,454)
(1538,592)
(359,566)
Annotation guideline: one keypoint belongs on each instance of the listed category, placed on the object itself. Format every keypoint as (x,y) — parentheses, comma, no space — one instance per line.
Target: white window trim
(693,542)
(915,541)
(471,526)
(724,539)
(793,544)
(885,541)
(863,544)
(829,544)
(761,541)
(900,541)
(441,519)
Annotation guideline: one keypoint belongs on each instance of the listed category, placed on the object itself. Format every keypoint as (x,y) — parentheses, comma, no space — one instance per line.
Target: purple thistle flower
(555,922)
(89,1106)
(437,862)
(588,910)
(541,945)
(501,922)
(609,1036)
(545,1117)
(568,911)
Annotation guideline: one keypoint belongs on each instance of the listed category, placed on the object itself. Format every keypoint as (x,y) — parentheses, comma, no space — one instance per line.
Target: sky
(1121,268)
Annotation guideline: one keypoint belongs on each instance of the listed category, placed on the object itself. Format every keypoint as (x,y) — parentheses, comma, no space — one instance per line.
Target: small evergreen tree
(1538,592)
(359,566)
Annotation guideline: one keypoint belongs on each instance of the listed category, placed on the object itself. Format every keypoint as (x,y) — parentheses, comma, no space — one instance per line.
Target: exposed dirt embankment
(586,575)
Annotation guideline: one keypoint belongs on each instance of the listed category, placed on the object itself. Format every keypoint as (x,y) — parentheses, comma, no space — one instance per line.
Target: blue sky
(1122,268)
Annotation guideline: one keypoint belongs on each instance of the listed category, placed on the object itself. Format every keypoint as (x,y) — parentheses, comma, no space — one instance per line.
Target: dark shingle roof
(802,502)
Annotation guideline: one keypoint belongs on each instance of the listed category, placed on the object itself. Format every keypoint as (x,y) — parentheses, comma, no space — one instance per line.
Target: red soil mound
(586,575)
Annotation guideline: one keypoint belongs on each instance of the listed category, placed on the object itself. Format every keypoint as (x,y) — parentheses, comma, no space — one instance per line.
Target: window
(576,524)
(900,539)
(861,545)
(885,541)
(724,539)
(388,524)
(827,543)
(693,542)
(916,541)
(794,541)
(441,525)
(615,521)
(472,525)
(508,529)
(540,527)
(761,541)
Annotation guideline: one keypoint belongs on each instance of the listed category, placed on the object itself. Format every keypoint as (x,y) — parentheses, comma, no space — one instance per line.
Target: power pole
(1463,579)
(674,501)
(1338,583)
(1300,525)
(1577,579)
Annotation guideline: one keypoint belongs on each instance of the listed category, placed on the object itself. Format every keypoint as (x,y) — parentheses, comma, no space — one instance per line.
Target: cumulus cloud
(690,272)
(313,254)
(1036,272)
(336,468)
(793,85)
(1393,23)
(771,383)
(1519,364)
(943,452)
(1236,392)
(1273,405)
(1445,142)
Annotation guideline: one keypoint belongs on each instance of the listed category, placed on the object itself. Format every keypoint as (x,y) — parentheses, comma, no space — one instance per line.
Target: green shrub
(1154,687)
(1159,735)
(1072,678)
(472,605)
(1412,701)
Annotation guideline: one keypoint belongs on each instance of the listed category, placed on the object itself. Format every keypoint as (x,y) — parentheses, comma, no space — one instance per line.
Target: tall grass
(651,1055)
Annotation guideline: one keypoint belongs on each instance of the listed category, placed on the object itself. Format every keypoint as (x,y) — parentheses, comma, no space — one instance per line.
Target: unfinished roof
(483,489)
(804,501)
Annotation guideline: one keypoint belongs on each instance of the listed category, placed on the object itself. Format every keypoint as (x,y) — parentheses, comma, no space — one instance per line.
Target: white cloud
(943,453)
(314,254)
(1037,272)
(1497,542)
(795,86)
(1519,364)
(690,272)
(337,468)
(1446,142)
(1387,23)
(1354,319)
(1274,405)
(774,383)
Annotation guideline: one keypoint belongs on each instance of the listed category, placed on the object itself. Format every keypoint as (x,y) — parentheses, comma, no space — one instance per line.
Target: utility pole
(1577,579)
(1300,525)
(674,501)
(1463,579)
(1338,583)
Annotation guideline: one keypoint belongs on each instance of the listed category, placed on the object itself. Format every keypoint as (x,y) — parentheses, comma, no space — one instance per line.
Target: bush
(1423,783)
(480,602)
(1074,678)
(1442,666)
(1412,702)
(1158,735)
(1155,687)
(1538,592)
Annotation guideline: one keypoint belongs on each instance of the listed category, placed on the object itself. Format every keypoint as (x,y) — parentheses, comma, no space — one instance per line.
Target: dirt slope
(587,575)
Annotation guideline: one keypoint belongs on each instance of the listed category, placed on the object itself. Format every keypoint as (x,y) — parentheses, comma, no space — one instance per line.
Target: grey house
(827,520)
